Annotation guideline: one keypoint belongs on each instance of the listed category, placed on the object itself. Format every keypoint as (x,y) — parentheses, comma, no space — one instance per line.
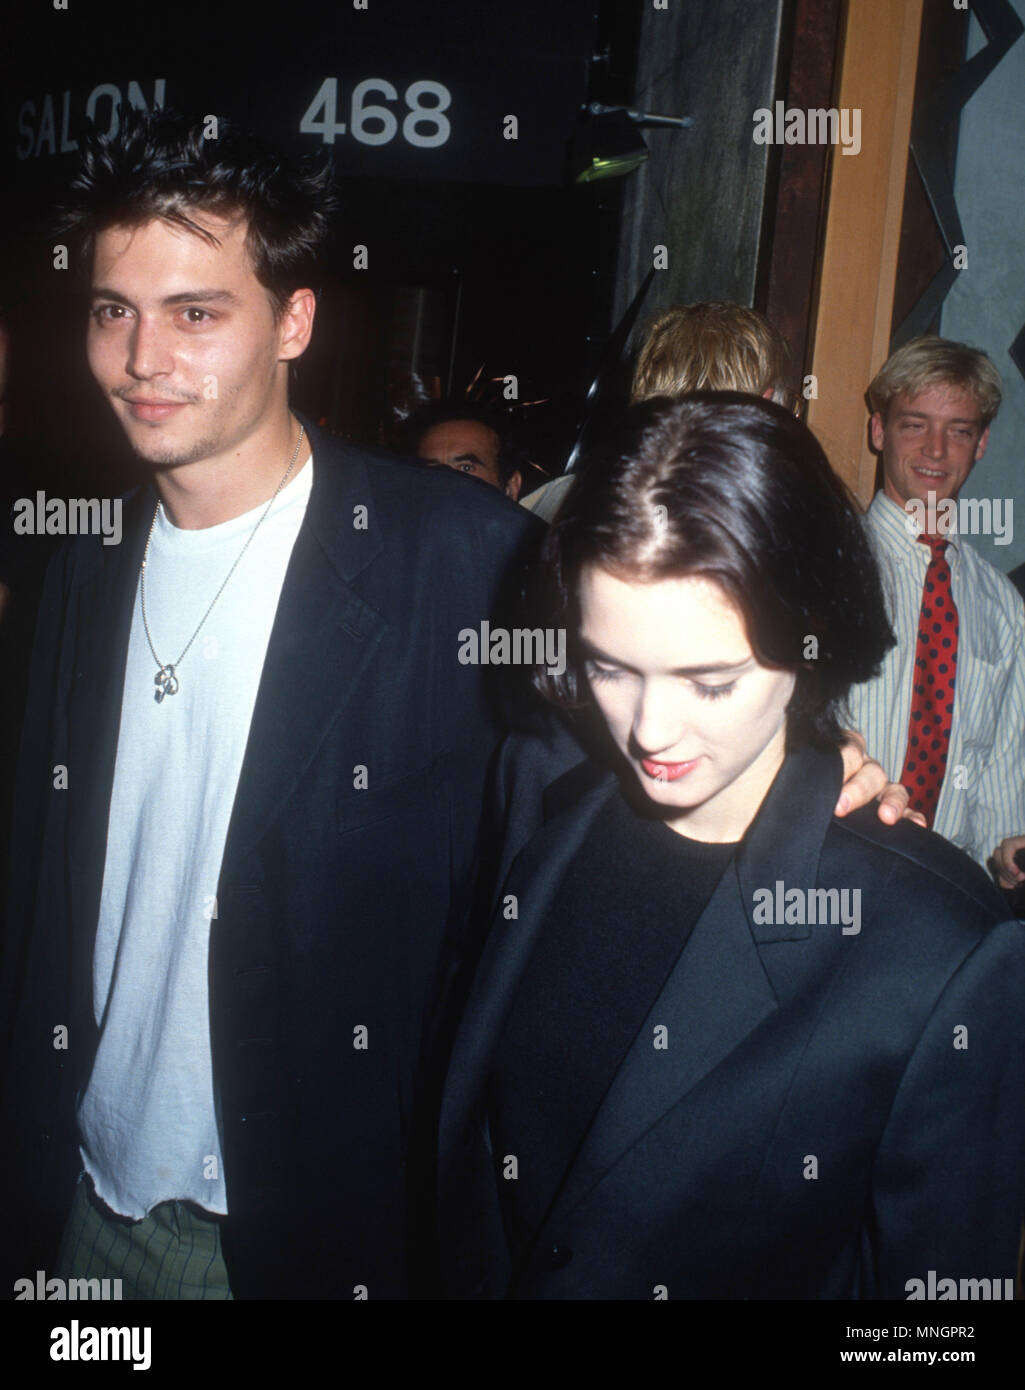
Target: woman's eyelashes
(602,673)
(706,692)
(715,692)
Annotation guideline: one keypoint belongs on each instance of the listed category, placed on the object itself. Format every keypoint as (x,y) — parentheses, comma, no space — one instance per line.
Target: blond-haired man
(946,714)
(714,346)
(711,346)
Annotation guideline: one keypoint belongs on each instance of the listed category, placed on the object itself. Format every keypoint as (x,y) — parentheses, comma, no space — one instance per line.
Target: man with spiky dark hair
(250,778)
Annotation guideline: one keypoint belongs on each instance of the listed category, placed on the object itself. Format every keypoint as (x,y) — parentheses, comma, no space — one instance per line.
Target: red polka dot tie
(932,697)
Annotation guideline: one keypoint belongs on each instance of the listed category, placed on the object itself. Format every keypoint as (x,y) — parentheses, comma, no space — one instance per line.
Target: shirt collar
(898,530)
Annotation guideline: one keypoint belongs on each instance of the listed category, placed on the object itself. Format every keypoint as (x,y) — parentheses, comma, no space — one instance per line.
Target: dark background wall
(484,259)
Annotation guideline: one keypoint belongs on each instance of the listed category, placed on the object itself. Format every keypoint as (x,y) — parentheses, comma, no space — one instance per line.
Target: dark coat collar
(716,995)
(802,798)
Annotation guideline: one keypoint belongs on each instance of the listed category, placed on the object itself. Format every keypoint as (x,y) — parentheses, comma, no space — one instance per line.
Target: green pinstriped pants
(173,1253)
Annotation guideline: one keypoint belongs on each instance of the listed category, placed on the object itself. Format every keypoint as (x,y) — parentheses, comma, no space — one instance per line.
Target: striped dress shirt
(982,800)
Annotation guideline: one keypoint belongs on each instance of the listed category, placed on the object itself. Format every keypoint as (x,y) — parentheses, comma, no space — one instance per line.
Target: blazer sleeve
(949,1176)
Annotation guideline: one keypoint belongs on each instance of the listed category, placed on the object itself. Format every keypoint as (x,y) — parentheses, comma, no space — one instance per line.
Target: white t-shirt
(147,1118)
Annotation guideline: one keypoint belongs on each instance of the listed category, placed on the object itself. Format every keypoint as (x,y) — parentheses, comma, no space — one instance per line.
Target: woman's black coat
(833,1114)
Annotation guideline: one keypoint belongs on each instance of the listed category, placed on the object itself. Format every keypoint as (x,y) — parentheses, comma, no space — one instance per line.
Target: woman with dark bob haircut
(722,1044)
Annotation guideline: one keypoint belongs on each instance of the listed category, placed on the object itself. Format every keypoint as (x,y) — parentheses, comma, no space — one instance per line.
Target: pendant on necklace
(166,682)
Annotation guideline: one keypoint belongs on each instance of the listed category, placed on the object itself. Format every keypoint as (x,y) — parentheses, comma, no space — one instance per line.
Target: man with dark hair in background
(469,438)
(250,779)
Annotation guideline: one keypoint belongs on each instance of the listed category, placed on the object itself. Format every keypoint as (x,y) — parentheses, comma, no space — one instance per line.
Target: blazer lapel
(533,878)
(719,991)
(322,640)
(106,603)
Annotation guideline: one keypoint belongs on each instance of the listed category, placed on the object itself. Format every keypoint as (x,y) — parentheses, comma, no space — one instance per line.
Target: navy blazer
(830,1114)
(342,895)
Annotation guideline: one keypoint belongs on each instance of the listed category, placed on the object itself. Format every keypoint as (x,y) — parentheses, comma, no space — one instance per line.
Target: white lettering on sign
(37,124)
(371,123)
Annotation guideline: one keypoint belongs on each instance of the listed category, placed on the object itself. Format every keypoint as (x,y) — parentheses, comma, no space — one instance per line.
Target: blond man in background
(946,714)
(711,346)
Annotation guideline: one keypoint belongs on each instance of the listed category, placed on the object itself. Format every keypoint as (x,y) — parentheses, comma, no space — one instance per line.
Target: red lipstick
(667,772)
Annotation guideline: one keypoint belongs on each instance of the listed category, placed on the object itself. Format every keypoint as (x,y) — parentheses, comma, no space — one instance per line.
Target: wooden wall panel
(862,237)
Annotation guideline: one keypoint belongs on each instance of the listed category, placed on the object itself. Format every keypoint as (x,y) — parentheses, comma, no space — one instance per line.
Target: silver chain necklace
(166,679)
